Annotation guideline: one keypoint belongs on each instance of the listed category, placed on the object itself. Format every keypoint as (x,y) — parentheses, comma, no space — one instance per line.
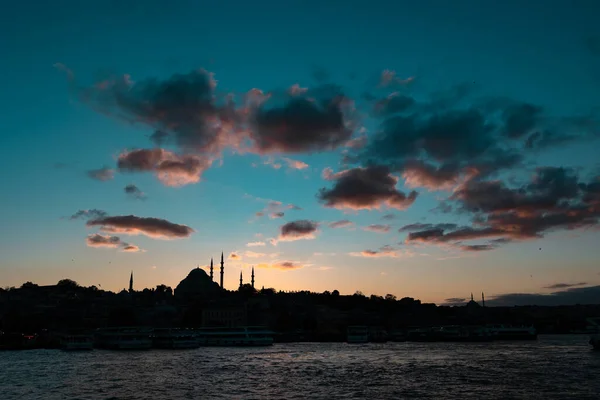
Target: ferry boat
(241,336)
(124,338)
(357,334)
(450,333)
(378,335)
(173,338)
(398,335)
(77,342)
(420,334)
(508,332)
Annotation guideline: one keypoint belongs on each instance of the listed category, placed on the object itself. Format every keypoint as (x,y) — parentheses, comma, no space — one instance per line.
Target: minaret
(482,299)
(131,283)
(252,281)
(211,269)
(222,269)
(241,280)
(471,296)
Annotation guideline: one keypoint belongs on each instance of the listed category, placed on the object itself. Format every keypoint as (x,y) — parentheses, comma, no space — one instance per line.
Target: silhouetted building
(131,283)
(473,308)
(241,280)
(224,315)
(252,280)
(211,268)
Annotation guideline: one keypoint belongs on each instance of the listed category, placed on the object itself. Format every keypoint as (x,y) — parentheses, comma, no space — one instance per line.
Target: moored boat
(378,335)
(450,333)
(240,336)
(174,338)
(509,332)
(71,342)
(124,338)
(357,334)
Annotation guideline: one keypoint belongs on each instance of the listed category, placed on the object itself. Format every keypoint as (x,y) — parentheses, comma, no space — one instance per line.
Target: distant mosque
(199,283)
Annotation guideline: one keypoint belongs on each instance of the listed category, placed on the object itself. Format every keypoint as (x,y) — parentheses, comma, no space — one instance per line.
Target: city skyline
(420,150)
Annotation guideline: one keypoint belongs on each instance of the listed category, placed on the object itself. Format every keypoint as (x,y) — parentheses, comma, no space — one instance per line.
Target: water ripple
(554,367)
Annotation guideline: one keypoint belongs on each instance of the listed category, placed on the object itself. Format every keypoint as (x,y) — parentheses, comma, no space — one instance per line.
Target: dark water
(554,367)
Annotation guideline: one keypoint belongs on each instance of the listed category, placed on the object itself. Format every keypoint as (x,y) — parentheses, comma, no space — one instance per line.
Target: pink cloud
(377,228)
(282,265)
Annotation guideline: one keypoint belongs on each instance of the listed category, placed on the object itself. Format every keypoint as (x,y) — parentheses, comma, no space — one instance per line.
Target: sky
(427,149)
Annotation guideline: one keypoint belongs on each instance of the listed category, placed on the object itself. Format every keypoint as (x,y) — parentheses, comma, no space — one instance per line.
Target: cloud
(132,225)
(365,188)
(275,209)
(377,228)
(272,163)
(314,120)
(251,254)
(170,168)
(344,223)
(385,251)
(254,244)
(434,141)
(89,214)
(392,104)
(564,285)
(477,247)
(554,199)
(65,69)
(570,296)
(282,265)
(184,108)
(520,119)
(420,174)
(389,217)
(131,248)
(453,136)
(98,241)
(295,164)
(297,230)
(358,142)
(102,174)
(419,227)
(388,77)
(455,301)
(134,192)
(234,256)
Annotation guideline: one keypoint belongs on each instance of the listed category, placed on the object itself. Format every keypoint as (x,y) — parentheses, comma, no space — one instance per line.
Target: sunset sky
(428,149)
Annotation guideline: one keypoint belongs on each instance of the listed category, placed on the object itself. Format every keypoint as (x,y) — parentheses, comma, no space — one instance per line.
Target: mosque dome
(197,283)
